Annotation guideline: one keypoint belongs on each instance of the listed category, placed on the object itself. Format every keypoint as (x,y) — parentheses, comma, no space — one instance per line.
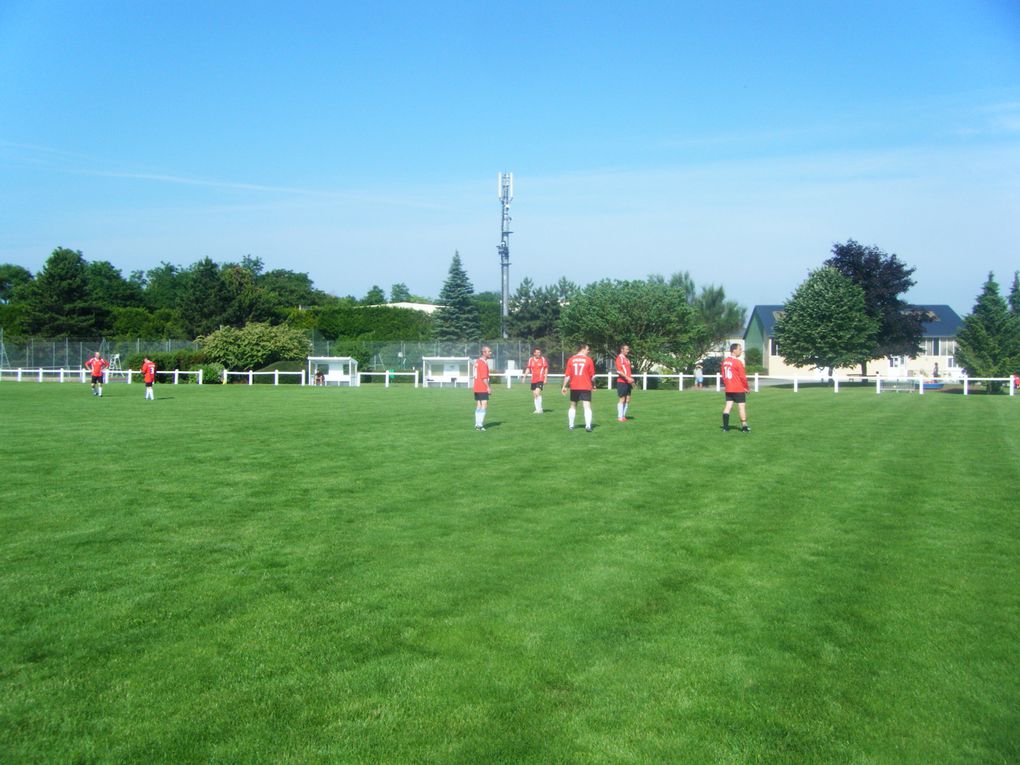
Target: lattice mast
(505,185)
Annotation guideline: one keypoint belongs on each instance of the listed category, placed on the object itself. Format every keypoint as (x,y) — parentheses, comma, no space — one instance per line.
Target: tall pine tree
(457,320)
(988,345)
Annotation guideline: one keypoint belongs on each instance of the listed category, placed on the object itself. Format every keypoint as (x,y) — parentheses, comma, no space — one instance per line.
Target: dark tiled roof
(939,320)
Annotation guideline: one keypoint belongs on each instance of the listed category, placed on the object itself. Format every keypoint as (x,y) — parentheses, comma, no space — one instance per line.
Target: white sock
(100,389)
(625,409)
(481,417)
(587,417)
(538,403)
(478,418)
(571,415)
(619,410)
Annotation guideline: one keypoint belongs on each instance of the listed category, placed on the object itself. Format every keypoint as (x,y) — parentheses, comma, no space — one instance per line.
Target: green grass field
(257,574)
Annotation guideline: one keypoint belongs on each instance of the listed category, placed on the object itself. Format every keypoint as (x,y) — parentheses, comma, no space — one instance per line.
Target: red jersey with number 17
(580,372)
(539,368)
(481,375)
(734,377)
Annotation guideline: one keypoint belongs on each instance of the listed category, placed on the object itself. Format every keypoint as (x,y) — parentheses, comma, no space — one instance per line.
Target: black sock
(726,422)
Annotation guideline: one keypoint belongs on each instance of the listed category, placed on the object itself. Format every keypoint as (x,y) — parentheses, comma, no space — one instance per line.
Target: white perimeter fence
(682,381)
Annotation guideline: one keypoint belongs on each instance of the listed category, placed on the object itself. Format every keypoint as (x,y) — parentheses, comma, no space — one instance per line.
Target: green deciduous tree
(884,278)
(457,320)
(399,293)
(12,277)
(204,299)
(825,323)
(375,296)
(988,344)
(653,317)
(255,345)
(59,303)
(1014,295)
(108,288)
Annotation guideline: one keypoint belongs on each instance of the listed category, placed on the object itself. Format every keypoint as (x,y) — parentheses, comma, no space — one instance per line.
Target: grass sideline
(259,574)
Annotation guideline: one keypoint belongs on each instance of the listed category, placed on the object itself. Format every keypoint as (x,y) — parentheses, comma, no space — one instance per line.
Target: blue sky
(361,144)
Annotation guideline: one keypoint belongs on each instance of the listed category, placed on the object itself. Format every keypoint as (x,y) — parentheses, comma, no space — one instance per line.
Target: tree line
(666,321)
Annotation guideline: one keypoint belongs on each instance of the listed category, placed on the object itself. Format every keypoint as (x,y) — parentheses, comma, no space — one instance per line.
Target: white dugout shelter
(441,371)
(336,370)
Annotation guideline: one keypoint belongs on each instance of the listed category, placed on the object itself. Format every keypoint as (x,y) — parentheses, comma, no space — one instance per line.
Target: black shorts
(481,396)
(537,386)
(97,380)
(148,385)
(580,395)
(623,388)
(738,398)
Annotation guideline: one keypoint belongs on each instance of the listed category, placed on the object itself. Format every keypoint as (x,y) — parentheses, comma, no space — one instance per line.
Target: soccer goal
(333,370)
(449,371)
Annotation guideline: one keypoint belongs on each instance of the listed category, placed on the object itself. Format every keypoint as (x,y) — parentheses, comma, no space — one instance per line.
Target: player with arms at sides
(149,376)
(482,389)
(735,382)
(624,383)
(96,365)
(538,368)
(579,375)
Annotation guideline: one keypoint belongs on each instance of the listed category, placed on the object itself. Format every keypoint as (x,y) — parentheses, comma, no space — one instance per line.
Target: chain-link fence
(67,353)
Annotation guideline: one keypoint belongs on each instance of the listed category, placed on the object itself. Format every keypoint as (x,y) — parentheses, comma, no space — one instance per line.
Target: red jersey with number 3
(481,375)
(149,371)
(539,368)
(580,372)
(734,377)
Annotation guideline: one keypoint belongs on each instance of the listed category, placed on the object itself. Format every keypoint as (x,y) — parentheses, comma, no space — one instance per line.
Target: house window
(773,347)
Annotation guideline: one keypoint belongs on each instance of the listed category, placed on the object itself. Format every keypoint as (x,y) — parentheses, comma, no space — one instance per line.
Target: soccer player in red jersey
(538,368)
(624,383)
(149,375)
(96,365)
(482,389)
(579,375)
(735,382)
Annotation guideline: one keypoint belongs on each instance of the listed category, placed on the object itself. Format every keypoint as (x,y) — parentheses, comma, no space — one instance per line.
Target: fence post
(644,381)
(177,376)
(129,376)
(755,382)
(718,382)
(61,374)
(416,378)
(835,383)
(965,382)
(19,375)
(200,375)
(224,376)
(920,386)
(40,374)
(878,384)
(1012,385)
(680,387)
(276,377)
(251,376)
(795,381)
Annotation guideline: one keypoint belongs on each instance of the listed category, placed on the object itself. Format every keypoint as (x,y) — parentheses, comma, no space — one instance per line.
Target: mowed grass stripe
(298,574)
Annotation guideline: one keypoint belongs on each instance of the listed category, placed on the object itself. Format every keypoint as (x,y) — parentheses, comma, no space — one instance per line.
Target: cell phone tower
(505,185)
